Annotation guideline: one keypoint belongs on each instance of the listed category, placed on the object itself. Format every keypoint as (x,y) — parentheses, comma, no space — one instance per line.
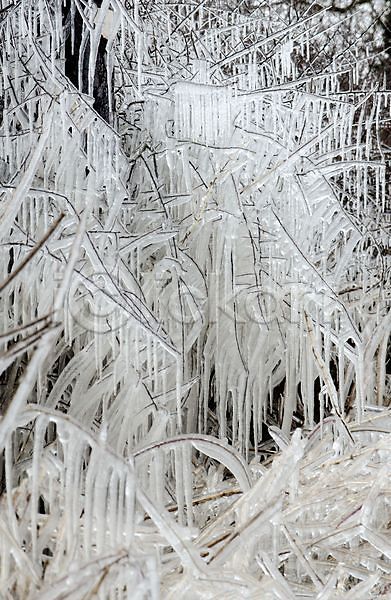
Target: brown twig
(34,251)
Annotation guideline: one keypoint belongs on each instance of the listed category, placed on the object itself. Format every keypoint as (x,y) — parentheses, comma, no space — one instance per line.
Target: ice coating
(213,259)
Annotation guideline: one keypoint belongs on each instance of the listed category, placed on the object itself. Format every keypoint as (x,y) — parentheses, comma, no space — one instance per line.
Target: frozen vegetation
(194,316)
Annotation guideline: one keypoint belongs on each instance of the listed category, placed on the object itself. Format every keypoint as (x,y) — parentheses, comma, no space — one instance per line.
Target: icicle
(178,393)
(40,427)
(139,46)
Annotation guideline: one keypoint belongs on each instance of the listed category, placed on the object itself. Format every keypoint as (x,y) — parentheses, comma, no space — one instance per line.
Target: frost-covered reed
(194,309)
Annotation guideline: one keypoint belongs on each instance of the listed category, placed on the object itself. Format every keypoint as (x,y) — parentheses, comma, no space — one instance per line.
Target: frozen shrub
(194,306)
